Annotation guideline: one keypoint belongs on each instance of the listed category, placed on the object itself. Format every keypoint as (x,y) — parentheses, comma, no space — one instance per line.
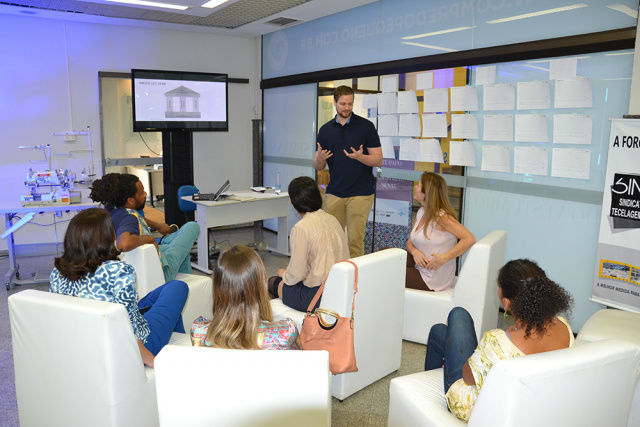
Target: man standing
(350,145)
(123,196)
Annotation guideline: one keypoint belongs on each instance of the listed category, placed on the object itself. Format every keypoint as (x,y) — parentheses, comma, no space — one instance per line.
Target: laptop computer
(212,197)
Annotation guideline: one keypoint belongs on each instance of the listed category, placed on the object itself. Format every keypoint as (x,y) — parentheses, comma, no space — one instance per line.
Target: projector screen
(179,100)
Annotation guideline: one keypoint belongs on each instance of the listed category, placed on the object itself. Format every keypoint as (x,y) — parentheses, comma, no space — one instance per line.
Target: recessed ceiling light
(446,49)
(624,9)
(151,4)
(435,33)
(540,13)
(213,3)
(535,68)
(549,60)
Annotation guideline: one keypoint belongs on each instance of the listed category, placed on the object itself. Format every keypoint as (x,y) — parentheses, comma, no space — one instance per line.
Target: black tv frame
(175,125)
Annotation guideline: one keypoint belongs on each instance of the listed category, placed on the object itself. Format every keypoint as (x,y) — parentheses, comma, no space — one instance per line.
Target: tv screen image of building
(165,100)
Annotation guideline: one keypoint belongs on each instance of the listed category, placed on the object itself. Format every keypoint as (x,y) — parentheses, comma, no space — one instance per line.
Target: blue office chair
(185,205)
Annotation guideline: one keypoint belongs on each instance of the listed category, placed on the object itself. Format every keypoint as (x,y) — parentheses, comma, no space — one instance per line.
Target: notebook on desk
(213,197)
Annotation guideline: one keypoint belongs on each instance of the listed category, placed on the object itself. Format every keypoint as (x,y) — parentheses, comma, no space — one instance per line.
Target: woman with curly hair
(535,303)
(90,268)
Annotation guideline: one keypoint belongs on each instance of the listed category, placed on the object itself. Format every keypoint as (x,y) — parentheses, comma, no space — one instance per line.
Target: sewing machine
(58,181)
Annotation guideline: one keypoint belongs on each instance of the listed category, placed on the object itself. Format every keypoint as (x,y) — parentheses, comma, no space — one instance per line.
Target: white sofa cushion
(77,363)
(476,290)
(201,386)
(149,276)
(377,318)
(586,385)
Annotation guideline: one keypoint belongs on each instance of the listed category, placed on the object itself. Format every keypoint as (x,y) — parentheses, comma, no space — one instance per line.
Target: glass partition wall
(406,82)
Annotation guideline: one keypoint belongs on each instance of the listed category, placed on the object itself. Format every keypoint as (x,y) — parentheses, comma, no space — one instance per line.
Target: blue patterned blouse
(113,281)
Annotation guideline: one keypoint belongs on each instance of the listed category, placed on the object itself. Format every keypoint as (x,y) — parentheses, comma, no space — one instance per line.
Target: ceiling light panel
(624,9)
(151,4)
(436,33)
(245,11)
(445,49)
(540,13)
(233,16)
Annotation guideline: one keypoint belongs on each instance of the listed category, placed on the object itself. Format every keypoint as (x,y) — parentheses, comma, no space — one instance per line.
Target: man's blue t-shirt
(349,177)
(127,220)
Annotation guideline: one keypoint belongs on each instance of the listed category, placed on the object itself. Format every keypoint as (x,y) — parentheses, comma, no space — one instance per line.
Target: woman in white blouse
(317,242)
(436,239)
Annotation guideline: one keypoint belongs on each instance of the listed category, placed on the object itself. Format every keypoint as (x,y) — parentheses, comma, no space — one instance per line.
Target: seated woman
(535,302)
(242,317)
(436,239)
(89,268)
(317,242)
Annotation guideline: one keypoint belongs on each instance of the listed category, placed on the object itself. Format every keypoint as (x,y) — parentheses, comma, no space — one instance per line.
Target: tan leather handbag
(336,338)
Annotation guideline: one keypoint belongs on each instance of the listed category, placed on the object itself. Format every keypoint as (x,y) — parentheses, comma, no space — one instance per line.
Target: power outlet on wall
(69,137)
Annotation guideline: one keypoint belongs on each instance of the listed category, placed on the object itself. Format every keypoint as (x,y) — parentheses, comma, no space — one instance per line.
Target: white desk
(16,209)
(253,207)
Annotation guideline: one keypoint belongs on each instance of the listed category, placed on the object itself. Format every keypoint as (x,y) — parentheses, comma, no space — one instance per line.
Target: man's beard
(342,114)
(141,205)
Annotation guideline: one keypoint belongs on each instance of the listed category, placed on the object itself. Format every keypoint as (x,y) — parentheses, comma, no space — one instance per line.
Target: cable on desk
(49,225)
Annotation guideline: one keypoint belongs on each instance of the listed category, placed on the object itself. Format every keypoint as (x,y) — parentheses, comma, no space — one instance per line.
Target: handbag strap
(321,289)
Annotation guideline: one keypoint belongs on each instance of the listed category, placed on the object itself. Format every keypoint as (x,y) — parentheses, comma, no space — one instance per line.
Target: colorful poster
(617,271)
(392,211)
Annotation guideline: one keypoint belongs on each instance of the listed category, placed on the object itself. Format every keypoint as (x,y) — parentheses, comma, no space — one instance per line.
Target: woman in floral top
(242,317)
(533,300)
(90,268)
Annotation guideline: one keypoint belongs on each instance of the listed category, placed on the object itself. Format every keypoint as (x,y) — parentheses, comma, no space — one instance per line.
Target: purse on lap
(337,338)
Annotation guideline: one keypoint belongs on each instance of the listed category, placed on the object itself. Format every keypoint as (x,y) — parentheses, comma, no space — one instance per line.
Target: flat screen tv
(179,101)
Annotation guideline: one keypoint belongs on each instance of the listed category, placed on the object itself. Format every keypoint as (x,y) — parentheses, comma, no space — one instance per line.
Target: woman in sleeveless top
(436,239)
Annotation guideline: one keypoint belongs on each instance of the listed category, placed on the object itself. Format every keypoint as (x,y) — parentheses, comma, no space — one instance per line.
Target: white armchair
(200,386)
(586,385)
(77,363)
(377,317)
(476,290)
(149,275)
(612,323)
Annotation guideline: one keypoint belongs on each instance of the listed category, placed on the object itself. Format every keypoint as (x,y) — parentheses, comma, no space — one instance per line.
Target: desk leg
(13,267)
(283,237)
(151,190)
(203,241)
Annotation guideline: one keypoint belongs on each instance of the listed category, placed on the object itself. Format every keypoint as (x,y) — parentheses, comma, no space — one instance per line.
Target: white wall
(49,83)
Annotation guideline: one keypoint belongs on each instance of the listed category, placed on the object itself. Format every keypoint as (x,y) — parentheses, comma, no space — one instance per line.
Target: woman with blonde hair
(242,317)
(436,239)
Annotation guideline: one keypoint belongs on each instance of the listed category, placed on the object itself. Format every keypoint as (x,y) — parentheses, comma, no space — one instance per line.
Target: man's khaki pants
(352,213)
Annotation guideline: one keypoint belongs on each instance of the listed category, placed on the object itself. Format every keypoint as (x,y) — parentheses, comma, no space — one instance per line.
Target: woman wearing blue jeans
(89,268)
(450,346)
(535,303)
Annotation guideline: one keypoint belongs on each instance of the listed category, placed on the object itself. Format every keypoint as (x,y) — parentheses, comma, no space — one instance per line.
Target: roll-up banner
(617,271)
